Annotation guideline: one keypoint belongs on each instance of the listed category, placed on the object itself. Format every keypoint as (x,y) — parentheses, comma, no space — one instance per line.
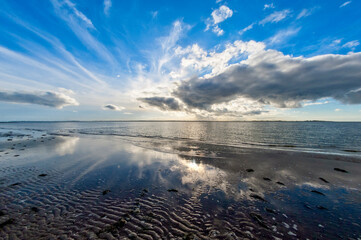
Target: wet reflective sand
(107,187)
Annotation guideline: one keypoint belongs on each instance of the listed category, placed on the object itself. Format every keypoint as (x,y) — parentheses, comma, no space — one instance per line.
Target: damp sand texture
(106,187)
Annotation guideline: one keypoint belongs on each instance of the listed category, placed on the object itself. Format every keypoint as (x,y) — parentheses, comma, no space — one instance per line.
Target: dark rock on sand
(7,222)
(351,150)
(258,197)
(145,190)
(2,213)
(34,209)
(43,175)
(106,191)
(16,155)
(172,190)
(258,219)
(324,180)
(15,184)
(317,192)
(267,179)
(249,170)
(340,170)
(280,183)
(120,223)
(270,210)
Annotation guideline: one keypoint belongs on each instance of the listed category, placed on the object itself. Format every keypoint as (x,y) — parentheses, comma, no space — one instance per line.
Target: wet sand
(108,187)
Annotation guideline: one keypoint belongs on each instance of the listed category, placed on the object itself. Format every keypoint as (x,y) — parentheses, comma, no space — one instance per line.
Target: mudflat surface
(107,187)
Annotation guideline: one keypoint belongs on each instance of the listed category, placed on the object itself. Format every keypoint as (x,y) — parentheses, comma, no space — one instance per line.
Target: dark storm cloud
(163,103)
(112,107)
(50,99)
(272,78)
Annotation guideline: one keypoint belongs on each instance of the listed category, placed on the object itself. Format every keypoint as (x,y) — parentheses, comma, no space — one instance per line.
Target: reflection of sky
(88,156)
(67,146)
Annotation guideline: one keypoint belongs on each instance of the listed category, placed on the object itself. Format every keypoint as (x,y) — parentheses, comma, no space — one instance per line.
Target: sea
(343,138)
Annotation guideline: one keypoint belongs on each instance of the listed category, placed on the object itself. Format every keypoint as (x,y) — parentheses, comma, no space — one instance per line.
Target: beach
(84,186)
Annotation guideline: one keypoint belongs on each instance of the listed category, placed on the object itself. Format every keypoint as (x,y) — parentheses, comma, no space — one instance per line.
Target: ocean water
(321,137)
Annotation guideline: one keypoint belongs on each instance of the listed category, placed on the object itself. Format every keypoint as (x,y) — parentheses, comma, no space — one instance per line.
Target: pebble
(324,180)
(172,190)
(106,191)
(317,192)
(340,170)
(255,196)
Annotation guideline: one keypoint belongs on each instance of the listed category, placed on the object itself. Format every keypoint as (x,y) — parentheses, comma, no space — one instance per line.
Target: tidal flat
(113,187)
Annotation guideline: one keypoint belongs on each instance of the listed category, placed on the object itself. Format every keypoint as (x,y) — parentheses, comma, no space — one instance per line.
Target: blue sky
(149,60)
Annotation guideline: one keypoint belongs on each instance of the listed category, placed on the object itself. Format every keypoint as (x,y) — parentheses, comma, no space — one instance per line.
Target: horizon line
(39,121)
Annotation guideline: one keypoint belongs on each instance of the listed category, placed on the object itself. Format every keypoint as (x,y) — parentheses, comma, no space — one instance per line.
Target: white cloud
(275,17)
(336,42)
(195,60)
(310,103)
(218,16)
(272,18)
(338,110)
(77,13)
(305,13)
(352,44)
(282,35)
(107,6)
(249,27)
(113,107)
(266,6)
(345,4)
(217,30)
(221,14)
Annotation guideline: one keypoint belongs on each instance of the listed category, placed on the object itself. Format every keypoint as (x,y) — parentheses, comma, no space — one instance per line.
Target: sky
(180,60)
